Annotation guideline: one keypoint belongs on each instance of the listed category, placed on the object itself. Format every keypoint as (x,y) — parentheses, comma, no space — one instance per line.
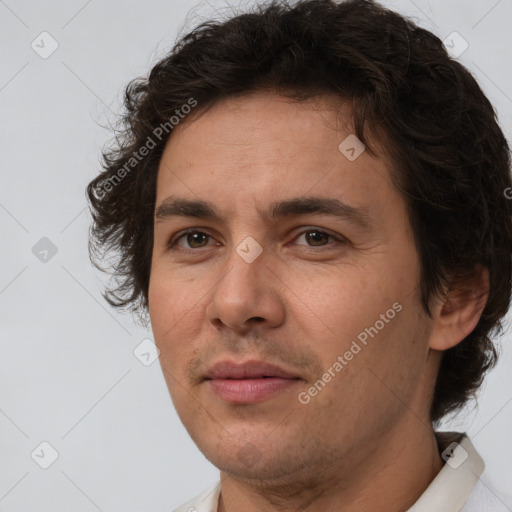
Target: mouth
(249,382)
(249,391)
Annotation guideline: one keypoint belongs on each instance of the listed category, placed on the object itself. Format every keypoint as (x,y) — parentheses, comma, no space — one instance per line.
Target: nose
(245,295)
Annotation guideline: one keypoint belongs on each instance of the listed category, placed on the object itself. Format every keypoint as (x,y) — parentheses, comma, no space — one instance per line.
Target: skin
(364,441)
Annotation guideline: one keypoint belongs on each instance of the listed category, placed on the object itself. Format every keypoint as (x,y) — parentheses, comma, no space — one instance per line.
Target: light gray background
(68,375)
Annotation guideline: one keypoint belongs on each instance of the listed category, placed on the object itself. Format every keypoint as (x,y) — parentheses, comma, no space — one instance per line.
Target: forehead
(265,117)
(266,145)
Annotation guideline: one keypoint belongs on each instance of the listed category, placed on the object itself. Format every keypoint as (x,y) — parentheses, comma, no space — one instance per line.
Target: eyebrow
(175,206)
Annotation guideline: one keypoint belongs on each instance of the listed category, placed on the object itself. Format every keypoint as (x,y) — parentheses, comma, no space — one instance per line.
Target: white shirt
(456,488)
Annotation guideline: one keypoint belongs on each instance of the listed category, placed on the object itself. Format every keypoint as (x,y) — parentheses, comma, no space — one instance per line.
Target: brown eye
(318,238)
(194,240)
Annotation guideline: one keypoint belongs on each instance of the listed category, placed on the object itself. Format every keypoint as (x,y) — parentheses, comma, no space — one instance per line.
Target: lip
(247,370)
(248,382)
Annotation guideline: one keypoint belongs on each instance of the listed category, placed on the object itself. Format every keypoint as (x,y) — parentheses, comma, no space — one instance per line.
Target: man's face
(325,289)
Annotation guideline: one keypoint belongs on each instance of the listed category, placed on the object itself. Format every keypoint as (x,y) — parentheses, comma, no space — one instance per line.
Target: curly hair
(451,159)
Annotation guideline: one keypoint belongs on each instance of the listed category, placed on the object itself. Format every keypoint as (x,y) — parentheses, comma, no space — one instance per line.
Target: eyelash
(171,245)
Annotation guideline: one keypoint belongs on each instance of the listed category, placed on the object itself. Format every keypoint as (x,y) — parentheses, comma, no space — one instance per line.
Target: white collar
(452,486)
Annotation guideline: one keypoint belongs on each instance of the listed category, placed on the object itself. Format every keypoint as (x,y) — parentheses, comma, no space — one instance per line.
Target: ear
(456,315)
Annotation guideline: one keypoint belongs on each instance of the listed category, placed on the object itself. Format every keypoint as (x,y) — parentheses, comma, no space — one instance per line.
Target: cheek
(344,314)
(336,306)
(165,310)
(169,302)
(177,317)
(161,307)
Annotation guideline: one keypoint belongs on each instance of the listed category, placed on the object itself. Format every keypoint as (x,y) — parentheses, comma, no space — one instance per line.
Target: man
(310,203)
